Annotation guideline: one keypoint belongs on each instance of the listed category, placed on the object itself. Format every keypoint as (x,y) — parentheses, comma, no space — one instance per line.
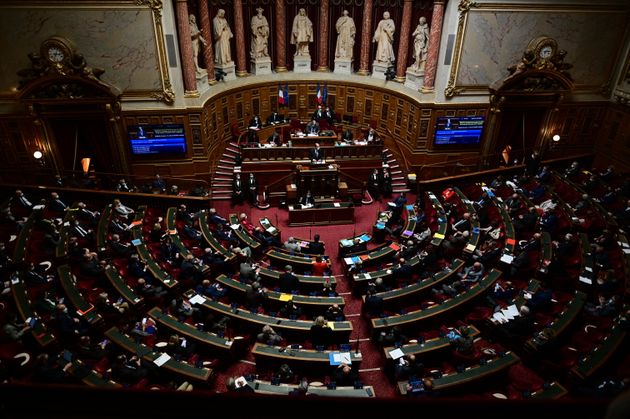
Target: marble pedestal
(261,65)
(414,79)
(228,68)
(302,64)
(202,80)
(343,66)
(379,69)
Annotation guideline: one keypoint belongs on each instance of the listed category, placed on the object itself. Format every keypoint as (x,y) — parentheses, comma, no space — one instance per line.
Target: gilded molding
(154,5)
(167,95)
(463,8)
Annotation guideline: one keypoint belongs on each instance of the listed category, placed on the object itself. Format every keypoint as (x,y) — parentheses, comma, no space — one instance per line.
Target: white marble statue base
(414,78)
(379,69)
(261,65)
(228,68)
(302,64)
(343,66)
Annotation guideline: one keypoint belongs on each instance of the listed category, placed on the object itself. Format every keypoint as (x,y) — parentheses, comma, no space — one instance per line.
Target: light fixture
(38,154)
(556,138)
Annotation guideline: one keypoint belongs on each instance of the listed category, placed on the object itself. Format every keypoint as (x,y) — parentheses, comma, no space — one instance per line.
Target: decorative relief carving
(154,5)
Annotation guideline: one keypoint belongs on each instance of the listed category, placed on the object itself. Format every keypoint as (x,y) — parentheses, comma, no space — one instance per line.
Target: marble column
(437,20)
(281,37)
(403,44)
(323,36)
(185,47)
(206,31)
(366,39)
(241,49)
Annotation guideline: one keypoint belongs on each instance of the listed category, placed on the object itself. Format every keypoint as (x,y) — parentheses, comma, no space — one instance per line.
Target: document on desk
(507,258)
(197,299)
(161,360)
(235,226)
(337,204)
(396,353)
(337,358)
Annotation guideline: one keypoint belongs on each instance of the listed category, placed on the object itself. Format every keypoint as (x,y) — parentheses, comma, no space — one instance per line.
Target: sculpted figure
(346,31)
(222,36)
(420,44)
(260,35)
(195,35)
(302,33)
(384,37)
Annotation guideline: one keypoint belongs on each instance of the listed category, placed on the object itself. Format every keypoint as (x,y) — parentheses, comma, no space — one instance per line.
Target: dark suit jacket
(312,128)
(317,154)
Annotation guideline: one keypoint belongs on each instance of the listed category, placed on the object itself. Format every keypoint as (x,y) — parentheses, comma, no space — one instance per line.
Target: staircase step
(224,167)
(227,160)
(221,173)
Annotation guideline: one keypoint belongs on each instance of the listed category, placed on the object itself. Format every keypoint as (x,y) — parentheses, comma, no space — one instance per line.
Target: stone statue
(420,44)
(195,35)
(346,31)
(260,35)
(222,35)
(302,33)
(384,37)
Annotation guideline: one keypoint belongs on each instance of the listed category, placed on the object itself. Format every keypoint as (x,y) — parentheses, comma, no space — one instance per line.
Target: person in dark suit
(56,204)
(347,136)
(238,189)
(275,118)
(158,184)
(255,122)
(81,232)
(386,183)
(312,127)
(287,281)
(329,115)
(317,153)
(374,184)
(402,272)
(215,218)
(372,136)
(316,247)
(532,161)
(120,249)
(320,333)
(274,139)
(307,200)
(319,113)
(252,189)
(85,214)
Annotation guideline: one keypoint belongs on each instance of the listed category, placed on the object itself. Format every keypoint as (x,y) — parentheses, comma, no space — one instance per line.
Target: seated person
(312,127)
(274,139)
(269,336)
(275,118)
(255,122)
(320,333)
(317,153)
(307,200)
(347,136)
(320,266)
(372,136)
(316,247)
(158,184)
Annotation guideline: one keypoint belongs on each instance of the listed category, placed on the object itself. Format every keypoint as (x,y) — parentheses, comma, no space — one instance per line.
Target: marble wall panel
(121,41)
(496,39)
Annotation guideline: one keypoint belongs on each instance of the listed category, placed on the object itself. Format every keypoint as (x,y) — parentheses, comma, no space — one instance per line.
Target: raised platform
(322,214)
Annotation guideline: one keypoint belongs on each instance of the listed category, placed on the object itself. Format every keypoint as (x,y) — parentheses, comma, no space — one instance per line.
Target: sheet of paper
(197,299)
(396,353)
(513,310)
(438,236)
(286,297)
(507,258)
(235,226)
(337,204)
(586,280)
(470,247)
(162,359)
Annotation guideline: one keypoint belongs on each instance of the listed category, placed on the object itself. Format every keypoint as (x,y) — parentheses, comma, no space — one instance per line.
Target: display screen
(463,130)
(157,139)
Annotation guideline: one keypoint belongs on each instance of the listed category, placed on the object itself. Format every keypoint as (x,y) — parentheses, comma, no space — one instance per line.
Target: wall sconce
(38,155)
(555,138)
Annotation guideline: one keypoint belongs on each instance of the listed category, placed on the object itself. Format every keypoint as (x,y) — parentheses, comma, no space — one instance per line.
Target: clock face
(55,54)
(546,52)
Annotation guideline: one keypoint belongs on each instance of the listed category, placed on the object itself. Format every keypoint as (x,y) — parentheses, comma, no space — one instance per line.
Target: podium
(320,179)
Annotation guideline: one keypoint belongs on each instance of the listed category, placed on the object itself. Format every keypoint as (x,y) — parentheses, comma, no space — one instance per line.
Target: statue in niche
(260,35)
(195,35)
(420,44)
(384,38)
(222,35)
(346,31)
(302,33)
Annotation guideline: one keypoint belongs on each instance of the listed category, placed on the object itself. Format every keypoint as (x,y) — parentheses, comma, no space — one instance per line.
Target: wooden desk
(322,214)
(272,276)
(428,346)
(265,387)
(470,375)
(285,153)
(84,308)
(440,234)
(122,287)
(181,368)
(23,305)
(305,357)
